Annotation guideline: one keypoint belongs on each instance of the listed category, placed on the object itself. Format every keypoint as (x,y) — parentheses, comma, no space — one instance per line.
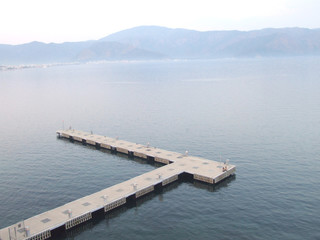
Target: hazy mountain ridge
(181,43)
(152,42)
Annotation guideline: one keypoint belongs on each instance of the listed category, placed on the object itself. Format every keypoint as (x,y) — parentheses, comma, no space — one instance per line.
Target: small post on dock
(27,230)
(227,164)
(134,185)
(105,197)
(70,213)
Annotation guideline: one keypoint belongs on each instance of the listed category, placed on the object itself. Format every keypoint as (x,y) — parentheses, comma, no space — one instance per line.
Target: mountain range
(153,42)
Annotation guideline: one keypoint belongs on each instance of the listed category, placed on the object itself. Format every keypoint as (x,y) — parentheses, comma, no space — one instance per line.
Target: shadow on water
(79,229)
(188,179)
(88,225)
(212,188)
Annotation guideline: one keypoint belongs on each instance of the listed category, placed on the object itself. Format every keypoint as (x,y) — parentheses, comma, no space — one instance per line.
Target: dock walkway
(51,223)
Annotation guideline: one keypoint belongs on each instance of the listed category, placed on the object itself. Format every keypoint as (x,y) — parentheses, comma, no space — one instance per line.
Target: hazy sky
(24,21)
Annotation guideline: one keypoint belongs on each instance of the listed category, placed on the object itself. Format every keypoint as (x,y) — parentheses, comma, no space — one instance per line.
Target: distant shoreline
(26,66)
(47,65)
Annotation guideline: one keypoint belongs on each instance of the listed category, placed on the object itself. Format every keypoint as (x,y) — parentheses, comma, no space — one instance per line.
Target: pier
(176,166)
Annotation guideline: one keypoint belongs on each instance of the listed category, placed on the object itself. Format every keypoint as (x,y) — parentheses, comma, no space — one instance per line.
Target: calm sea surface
(262,114)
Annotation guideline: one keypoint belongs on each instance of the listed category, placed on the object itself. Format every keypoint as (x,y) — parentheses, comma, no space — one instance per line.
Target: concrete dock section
(51,223)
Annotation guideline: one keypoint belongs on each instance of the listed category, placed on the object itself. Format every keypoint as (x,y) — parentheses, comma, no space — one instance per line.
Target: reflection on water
(135,205)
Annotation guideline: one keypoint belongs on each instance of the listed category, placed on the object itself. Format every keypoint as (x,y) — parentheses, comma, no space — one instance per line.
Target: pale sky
(23,21)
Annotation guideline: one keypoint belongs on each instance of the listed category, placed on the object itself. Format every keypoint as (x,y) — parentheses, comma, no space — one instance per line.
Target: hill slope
(37,53)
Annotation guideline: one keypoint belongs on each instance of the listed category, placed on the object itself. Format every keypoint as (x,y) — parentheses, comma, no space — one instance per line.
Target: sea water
(263,114)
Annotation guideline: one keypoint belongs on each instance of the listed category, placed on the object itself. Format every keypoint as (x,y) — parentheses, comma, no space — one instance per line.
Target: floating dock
(52,223)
